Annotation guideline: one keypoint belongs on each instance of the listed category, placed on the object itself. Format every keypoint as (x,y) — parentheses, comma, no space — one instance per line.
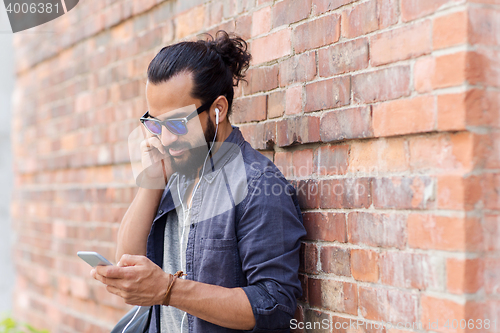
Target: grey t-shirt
(174,259)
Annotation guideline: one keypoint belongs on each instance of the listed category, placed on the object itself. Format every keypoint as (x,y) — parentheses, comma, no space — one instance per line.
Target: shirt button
(160,212)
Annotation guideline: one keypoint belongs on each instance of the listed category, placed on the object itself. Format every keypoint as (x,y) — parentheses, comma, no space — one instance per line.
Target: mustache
(177,146)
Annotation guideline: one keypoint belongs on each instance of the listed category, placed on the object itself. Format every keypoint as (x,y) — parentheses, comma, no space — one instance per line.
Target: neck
(223,132)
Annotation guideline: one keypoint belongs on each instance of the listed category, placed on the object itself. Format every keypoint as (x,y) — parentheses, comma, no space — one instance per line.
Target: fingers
(115,291)
(111,272)
(152,143)
(131,260)
(111,282)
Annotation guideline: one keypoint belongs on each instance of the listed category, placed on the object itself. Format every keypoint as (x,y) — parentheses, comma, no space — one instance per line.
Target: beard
(189,163)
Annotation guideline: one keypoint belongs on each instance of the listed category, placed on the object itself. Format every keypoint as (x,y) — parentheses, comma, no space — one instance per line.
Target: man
(227,217)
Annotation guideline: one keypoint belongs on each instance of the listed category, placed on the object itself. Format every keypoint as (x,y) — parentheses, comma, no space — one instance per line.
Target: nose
(167,137)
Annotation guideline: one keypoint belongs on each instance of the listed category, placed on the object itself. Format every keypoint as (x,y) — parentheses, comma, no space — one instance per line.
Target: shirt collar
(226,151)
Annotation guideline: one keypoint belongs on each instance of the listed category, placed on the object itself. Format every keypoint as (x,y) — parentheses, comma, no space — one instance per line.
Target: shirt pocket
(218,262)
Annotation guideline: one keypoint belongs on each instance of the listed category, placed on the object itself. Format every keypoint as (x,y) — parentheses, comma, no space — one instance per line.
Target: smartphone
(94,259)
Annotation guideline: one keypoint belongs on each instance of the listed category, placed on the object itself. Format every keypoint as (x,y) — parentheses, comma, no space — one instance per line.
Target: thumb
(129,260)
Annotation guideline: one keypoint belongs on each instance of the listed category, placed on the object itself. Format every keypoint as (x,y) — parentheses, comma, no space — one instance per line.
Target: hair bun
(233,51)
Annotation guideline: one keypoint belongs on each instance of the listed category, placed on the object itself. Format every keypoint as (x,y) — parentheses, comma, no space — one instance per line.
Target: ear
(221,104)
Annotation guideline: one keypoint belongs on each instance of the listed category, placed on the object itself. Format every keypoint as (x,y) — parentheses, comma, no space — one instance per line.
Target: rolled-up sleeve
(269,233)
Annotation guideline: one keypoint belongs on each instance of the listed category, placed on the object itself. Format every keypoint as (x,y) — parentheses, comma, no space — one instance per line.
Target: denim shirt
(246,233)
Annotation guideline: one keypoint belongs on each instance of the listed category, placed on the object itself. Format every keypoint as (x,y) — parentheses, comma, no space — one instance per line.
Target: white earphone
(217,116)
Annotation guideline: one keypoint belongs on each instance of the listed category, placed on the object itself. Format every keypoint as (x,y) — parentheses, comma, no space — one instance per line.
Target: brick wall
(383,113)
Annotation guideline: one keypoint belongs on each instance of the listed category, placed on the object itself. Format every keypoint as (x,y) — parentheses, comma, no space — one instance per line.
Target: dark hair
(217,65)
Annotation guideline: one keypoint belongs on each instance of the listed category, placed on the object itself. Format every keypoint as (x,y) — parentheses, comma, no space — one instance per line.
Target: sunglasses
(176,126)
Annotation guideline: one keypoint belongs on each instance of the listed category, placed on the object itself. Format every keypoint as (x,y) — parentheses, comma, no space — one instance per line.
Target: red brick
(411,270)
(407,42)
(298,130)
(290,11)
(492,232)
(308,258)
(481,107)
(335,260)
(413,9)
(388,12)
(451,112)
(142,6)
(360,19)
(490,194)
(328,94)
(333,295)
(293,100)
(381,85)
(261,135)
(331,160)
(271,47)
(404,192)
(482,67)
(404,116)
(325,226)
(344,124)
(342,58)
(276,104)
(249,109)
(473,192)
(440,72)
(283,161)
(262,79)
(317,33)
(243,26)
(441,310)
(491,275)
(464,275)
(484,26)
(189,22)
(303,163)
(487,150)
(314,319)
(215,11)
(381,230)
(378,156)
(491,2)
(489,105)
(388,305)
(443,37)
(299,68)
(321,6)
(364,265)
(345,193)
(269,132)
(442,152)
(450,192)
(261,21)
(443,233)
(307,193)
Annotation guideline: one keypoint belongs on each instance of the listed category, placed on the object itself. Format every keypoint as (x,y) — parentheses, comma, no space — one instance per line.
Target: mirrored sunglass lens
(153,126)
(176,126)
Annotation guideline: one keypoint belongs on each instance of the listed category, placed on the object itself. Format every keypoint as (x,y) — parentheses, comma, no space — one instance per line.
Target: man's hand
(153,157)
(136,279)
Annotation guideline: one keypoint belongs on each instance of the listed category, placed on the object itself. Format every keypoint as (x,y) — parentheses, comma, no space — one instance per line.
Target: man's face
(171,99)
